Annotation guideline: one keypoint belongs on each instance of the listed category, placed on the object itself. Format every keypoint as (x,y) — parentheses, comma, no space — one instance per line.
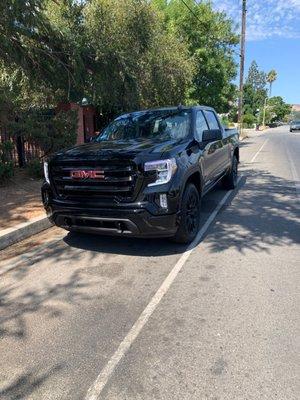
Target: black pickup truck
(143,175)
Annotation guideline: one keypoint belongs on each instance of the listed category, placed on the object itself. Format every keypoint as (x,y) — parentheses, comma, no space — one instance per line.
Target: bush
(35,168)
(48,131)
(6,171)
(224,120)
(6,165)
(248,121)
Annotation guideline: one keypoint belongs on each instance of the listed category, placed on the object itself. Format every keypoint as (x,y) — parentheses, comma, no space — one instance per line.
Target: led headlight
(165,170)
(46,172)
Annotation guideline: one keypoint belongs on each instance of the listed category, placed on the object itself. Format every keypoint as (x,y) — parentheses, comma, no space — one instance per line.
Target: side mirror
(211,135)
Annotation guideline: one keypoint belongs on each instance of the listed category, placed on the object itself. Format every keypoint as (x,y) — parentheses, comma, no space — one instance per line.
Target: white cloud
(266,18)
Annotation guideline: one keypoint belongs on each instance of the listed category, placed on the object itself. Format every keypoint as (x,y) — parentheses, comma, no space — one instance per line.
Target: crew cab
(144,175)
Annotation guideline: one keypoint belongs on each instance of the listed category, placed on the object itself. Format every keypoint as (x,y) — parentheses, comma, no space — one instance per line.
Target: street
(90,317)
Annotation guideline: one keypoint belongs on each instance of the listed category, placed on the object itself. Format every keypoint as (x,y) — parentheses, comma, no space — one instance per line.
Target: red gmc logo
(81,174)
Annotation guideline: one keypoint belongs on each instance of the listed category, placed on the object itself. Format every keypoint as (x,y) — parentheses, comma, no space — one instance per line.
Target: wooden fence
(23,151)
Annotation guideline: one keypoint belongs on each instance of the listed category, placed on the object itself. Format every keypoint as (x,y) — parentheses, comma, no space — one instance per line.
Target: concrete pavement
(227,327)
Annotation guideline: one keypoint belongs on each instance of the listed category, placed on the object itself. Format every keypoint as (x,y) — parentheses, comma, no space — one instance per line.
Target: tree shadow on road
(26,383)
(48,300)
(266,212)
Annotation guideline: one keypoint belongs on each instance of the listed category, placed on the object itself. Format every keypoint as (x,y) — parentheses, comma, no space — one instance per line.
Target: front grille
(116,180)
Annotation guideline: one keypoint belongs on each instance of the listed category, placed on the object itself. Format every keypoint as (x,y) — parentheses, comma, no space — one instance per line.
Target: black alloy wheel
(190,215)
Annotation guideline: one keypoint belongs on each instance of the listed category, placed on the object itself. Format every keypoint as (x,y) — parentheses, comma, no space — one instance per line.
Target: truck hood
(136,150)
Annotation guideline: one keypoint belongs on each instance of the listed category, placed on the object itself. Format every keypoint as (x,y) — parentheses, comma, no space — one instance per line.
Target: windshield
(296,122)
(157,125)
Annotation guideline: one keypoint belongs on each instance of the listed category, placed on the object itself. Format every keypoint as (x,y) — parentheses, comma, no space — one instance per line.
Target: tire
(230,180)
(190,215)
(291,130)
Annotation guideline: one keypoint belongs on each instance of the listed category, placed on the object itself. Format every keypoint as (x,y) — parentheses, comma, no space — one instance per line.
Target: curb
(22,231)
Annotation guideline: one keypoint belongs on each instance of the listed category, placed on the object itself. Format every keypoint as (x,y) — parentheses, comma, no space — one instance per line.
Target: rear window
(211,120)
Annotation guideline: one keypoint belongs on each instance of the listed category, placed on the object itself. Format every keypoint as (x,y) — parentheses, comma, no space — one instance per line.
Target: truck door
(217,150)
(206,160)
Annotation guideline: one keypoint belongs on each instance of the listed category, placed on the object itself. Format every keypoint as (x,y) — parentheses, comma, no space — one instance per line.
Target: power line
(192,11)
(195,15)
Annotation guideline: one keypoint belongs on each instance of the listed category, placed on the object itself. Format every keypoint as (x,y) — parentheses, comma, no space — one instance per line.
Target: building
(86,120)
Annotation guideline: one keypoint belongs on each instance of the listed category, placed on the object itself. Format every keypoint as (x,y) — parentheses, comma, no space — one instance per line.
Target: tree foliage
(278,108)
(121,55)
(256,78)
(255,91)
(211,39)
(6,165)
(136,63)
(256,97)
(271,77)
(50,131)
(29,41)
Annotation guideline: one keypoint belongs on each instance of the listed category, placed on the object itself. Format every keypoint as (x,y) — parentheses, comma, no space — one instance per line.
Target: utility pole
(242,65)
(264,114)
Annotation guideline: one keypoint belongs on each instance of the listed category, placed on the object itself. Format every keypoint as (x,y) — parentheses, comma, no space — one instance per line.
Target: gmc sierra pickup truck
(144,175)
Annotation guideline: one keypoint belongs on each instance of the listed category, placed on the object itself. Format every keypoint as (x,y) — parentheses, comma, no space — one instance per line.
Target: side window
(211,119)
(201,125)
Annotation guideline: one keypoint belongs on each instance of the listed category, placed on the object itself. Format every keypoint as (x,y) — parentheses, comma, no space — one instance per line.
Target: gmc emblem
(81,174)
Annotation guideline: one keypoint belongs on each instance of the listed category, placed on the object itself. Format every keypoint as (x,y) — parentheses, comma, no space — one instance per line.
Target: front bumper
(115,221)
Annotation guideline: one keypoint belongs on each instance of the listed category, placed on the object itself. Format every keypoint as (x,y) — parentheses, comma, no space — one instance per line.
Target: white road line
(294,172)
(260,149)
(95,390)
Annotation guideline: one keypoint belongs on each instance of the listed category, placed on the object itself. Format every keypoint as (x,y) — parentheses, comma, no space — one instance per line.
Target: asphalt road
(87,317)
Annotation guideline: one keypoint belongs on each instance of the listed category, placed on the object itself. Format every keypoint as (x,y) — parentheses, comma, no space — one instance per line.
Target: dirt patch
(20,200)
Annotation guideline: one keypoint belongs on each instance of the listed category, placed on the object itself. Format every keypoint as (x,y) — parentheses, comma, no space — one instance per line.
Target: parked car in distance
(144,175)
(275,124)
(295,126)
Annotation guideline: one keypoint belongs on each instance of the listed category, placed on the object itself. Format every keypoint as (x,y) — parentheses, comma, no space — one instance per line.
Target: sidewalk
(248,133)
(21,210)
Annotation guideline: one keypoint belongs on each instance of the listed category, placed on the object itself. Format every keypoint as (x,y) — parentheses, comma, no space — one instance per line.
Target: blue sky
(273,40)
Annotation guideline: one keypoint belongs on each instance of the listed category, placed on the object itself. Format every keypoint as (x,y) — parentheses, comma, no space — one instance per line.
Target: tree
(29,42)
(271,77)
(211,38)
(279,108)
(121,55)
(256,78)
(117,54)
(136,63)
(249,120)
(255,91)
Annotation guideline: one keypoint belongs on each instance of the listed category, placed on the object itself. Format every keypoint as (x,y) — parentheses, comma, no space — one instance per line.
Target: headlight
(165,170)
(46,172)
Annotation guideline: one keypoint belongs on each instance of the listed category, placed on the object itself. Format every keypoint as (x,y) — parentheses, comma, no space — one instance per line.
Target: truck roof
(194,107)
(170,108)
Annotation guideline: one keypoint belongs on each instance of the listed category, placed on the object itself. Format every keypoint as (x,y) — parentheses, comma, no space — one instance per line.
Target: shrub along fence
(30,137)
(19,150)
